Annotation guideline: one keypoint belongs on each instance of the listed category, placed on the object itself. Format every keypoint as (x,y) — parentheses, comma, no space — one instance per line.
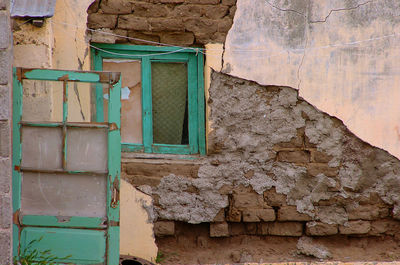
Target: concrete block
(5,175)
(6,212)
(164,228)
(5,67)
(219,229)
(5,139)
(5,247)
(299,156)
(285,229)
(321,229)
(290,213)
(355,228)
(5,29)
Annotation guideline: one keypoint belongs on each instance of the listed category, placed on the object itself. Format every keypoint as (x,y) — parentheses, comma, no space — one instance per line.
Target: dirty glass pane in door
(63,195)
(87,149)
(131,97)
(169,89)
(42,100)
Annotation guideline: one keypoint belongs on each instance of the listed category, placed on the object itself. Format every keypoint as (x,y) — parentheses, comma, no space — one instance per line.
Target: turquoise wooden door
(66,174)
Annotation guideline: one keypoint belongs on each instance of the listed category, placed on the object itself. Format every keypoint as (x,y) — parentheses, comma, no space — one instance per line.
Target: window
(162,97)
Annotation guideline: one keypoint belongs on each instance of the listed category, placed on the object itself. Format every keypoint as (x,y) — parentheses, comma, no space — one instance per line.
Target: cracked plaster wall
(266,137)
(343,56)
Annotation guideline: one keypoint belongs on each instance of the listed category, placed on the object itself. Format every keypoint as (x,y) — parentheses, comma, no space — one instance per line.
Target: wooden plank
(201,104)
(192,104)
(147,105)
(132,147)
(74,221)
(98,66)
(16,154)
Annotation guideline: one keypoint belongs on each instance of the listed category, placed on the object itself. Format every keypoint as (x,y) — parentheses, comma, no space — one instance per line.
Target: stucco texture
(343,57)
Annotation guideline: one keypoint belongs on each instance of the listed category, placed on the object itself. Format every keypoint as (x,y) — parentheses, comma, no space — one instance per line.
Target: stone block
(166,24)
(220,217)
(385,226)
(321,229)
(98,20)
(200,25)
(141,36)
(263,228)
(290,213)
(131,22)
(251,228)
(228,2)
(225,24)
(5,175)
(248,200)
(355,228)
(299,156)
(160,169)
(272,198)
(180,39)
(5,32)
(237,229)
(141,9)
(317,168)
(219,229)
(285,229)
(6,212)
(5,139)
(320,157)
(5,73)
(367,212)
(257,215)
(5,247)
(203,2)
(117,7)
(164,228)
(234,215)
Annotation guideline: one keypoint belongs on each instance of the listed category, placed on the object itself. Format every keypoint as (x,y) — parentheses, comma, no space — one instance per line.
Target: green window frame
(196,99)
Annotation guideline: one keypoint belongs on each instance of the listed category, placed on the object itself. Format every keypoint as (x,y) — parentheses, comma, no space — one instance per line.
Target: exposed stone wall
(277,166)
(5,134)
(176,22)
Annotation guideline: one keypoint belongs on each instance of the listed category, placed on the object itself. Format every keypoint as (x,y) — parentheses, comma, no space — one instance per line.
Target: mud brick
(141,9)
(298,156)
(367,212)
(164,228)
(385,226)
(181,38)
(98,20)
(273,198)
(355,228)
(285,229)
(166,24)
(131,22)
(234,215)
(115,7)
(263,228)
(251,228)
(320,157)
(317,168)
(257,215)
(201,25)
(237,229)
(220,217)
(219,229)
(321,229)
(290,213)
(248,200)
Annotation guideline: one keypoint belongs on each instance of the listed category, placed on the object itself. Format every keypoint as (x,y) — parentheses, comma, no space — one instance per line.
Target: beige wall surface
(343,56)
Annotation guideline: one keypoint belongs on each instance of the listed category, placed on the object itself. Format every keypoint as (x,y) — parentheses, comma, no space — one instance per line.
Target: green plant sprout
(31,256)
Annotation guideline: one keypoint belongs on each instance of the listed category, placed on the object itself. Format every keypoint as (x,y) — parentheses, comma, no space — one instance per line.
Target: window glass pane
(42,100)
(131,97)
(63,195)
(169,101)
(41,147)
(87,149)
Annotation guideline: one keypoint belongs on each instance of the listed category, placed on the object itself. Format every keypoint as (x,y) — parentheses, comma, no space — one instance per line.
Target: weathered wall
(176,22)
(5,134)
(343,56)
(277,166)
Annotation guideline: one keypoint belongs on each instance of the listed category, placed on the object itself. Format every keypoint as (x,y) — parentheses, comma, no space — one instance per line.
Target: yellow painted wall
(61,44)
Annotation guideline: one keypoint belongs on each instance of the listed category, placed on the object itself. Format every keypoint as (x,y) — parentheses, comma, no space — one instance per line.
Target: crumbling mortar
(248,128)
